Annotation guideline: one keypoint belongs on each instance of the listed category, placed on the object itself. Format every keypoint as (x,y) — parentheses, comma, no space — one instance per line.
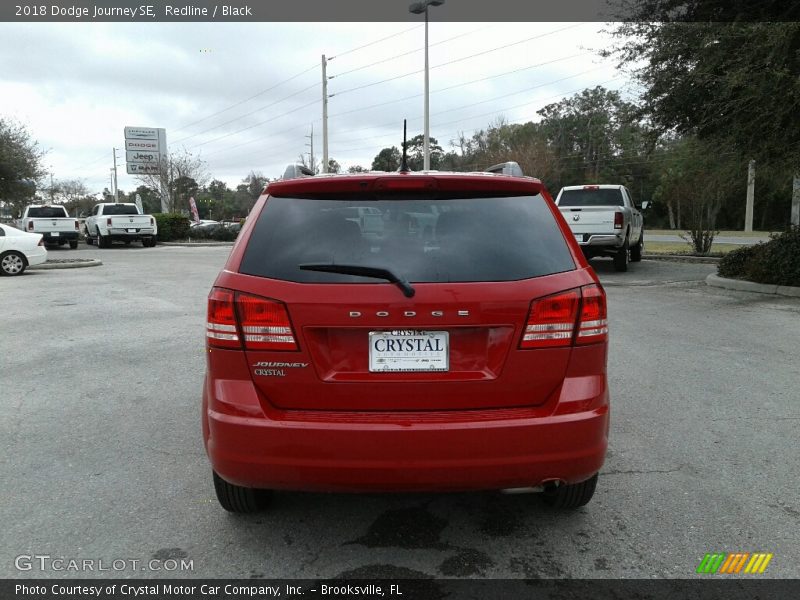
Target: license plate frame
(422,353)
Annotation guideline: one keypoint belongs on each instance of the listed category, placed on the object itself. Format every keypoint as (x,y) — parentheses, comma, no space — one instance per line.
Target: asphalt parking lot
(102,458)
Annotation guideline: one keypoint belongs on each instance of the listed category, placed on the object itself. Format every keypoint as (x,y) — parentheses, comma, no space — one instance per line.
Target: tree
(356,169)
(20,165)
(180,175)
(387,159)
(416,152)
(333,166)
(731,82)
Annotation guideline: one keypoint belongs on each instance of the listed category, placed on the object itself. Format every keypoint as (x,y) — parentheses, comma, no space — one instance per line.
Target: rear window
(462,239)
(47,212)
(120,209)
(591,197)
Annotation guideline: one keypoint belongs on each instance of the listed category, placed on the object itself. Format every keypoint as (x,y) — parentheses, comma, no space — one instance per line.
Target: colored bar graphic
(722,563)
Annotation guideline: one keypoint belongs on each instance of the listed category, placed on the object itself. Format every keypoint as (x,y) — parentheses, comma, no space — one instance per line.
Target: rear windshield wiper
(377,272)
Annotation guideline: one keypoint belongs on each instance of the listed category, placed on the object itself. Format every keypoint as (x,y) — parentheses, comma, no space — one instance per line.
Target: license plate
(54,234)
(409,350)
(131,231)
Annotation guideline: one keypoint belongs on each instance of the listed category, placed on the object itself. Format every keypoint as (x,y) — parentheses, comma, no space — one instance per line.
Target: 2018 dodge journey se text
(465,352)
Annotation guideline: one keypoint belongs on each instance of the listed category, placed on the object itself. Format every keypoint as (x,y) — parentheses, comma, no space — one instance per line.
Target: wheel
(12,263)
(237,499)
(101,241)
(571,495)
(621,258)
(638,249)
(89,240)
(73,244)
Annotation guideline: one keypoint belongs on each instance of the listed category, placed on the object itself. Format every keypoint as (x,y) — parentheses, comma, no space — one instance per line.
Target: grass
(682,248)
(754,234)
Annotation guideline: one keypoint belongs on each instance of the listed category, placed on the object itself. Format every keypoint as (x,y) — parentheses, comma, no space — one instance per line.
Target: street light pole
(419,8)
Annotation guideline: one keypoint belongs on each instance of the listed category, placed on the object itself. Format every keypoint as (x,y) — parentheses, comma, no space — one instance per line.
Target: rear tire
(571,495)
(621,258)
(638,249)
(12,263)
(73,244)
(101,241)
(238,499)
(89,240)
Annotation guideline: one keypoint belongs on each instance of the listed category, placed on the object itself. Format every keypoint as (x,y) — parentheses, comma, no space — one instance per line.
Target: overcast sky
(220,89)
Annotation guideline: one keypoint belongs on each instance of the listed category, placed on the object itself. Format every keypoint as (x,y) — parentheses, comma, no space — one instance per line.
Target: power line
(378,62)
(450,62)
(363,108)
(246,99)
(305,89)
(373,43)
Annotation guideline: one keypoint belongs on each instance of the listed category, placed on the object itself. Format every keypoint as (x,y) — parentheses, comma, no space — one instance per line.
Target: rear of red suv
(447,334)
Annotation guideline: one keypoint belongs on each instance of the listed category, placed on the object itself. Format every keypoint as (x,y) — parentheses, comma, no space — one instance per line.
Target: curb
(79,264)
(682,258)
(749,286)
(195,244)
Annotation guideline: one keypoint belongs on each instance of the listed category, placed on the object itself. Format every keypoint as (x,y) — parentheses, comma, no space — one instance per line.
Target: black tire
(621,258)
(89,240)
(571,495)
(12,263)
(638,249)
(237,499)
(73,244)
(101,241)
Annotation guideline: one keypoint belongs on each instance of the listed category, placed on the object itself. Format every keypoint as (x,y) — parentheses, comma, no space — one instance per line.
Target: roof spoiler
(506,168)
(295,171)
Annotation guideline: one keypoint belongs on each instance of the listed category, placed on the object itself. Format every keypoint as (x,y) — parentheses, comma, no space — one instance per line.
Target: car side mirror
(645,204)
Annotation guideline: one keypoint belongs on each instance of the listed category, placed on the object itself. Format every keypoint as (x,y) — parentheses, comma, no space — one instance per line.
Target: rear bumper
(609,241)
(461,450)
(63,236)
(36,256)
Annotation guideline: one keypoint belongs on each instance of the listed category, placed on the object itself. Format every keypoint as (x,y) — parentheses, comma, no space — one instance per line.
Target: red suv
(448,334)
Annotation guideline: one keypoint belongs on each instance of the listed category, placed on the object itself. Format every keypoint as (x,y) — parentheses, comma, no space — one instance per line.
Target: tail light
(152,221)
(108,221)
(617,220)
(30,225)
(263,323)
(576,316)
(593,323)
(551,321)
(221,331)
(77,226)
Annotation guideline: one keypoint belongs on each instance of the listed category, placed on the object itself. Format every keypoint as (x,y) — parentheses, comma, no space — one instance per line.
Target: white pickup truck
(605,221)
(109,222)
(52,221)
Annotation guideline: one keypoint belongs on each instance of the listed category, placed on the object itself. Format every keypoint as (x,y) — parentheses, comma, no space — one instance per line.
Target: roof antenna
(404,164)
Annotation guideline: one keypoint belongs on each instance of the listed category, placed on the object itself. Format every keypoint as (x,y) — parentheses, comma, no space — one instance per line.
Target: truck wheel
(571,495)
(638,249)
(621,258)
(237,499)
(12,263)
(73,244)
(101,241)
(89,240)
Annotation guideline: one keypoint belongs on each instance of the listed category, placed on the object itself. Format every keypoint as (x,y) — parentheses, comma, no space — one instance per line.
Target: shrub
(776,262)
(171,226)
(217,233)
(733,264)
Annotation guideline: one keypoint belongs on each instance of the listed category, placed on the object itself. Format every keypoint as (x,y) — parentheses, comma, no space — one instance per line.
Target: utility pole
(313,168)
(324,115)
(116,189)
(751,192)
